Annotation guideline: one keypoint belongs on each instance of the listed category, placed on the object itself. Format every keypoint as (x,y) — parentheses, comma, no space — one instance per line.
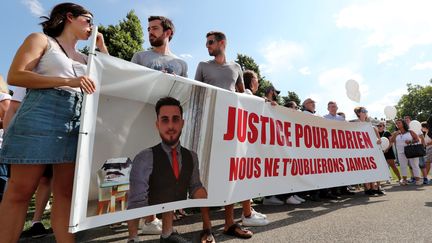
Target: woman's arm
(27,58)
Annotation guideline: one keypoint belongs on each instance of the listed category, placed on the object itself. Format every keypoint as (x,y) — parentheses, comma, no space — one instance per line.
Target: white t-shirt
(19,94)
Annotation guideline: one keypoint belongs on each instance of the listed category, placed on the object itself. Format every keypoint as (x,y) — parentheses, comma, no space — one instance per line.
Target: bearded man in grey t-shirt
(161,31)
(229,76)
(219,72)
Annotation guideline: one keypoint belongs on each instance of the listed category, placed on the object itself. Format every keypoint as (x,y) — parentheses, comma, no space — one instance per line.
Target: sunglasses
(88,19)
(210,42)
(380,125)
(364,111)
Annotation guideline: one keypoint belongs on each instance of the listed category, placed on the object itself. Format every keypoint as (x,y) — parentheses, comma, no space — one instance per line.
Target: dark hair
(359,109)
(404,124)
(424,124)
(218,35)
(166,23)
(291,104)
(168,101)
(341,114)
(54,24)
(331,103)
(248,75)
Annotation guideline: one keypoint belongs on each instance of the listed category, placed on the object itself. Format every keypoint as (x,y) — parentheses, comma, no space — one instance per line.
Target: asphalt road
(403,215)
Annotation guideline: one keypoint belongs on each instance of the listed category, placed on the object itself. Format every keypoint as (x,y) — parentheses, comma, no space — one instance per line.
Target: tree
(417,103)
(124,39)
(292,96)
(248,63)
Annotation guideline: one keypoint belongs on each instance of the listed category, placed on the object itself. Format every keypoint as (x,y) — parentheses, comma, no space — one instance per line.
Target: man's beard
(215,52)
(171,142)
(156,42)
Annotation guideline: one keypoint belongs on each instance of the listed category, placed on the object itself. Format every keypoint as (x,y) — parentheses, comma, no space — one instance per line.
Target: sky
(310,47)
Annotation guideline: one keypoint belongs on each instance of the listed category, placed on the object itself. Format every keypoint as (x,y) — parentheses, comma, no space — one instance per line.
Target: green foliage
(417,103)
(125,38)
(248,63)
(292,96)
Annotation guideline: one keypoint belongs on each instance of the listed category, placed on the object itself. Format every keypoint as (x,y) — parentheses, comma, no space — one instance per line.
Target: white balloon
(351,85)
(352,90)
(385,143)
(353,95)
(415,126)
(390,112)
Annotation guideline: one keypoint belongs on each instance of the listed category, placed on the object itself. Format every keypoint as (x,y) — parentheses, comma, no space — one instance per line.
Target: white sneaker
(254,220)
(133,240)
(299,198)
(272,201)
(258,214)
(152,228)
(292,200)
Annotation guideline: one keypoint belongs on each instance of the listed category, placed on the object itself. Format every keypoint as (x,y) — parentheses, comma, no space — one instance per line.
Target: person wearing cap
(271,93)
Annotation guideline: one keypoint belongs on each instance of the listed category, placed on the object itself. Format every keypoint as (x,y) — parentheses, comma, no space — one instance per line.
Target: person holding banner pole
(226,75)
(167,172)
(370,188)
(161,31)
(45,129)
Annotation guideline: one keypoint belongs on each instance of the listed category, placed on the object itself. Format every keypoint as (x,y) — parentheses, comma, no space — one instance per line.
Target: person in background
(371,188)
(270,95)
(423,163)
(50,67)
(388,152)
(292,105)
(332,115)
(401,138)
(428,144)
(4,106)
(43,191)
(342,115)
(250,217)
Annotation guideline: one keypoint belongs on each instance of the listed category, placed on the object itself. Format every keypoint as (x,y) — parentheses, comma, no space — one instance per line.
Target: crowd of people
(41,123)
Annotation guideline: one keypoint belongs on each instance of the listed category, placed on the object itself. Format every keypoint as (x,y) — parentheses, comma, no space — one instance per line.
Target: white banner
(246,147)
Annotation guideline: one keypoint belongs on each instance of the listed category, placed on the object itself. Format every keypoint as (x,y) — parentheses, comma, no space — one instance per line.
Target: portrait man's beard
(173,139)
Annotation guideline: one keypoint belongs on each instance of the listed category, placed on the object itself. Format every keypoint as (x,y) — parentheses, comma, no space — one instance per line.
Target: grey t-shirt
(225,76)
(169,63)
(141,171)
